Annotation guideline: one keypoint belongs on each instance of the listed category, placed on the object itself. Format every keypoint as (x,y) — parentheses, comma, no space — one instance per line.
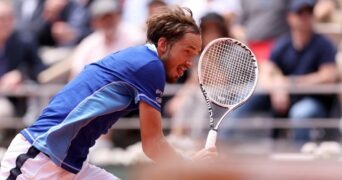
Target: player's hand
(205,154)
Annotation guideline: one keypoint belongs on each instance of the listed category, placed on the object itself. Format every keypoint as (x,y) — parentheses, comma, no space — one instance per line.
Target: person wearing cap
(301,57)
(110,34)
(56,146)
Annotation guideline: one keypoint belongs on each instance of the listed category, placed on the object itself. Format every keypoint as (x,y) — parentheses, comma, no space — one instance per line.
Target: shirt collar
(152,47)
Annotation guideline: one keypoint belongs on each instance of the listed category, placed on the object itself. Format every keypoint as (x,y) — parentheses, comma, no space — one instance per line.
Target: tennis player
(57,144)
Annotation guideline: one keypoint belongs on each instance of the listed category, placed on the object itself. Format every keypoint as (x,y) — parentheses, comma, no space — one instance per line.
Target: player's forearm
(159,150)
(153,140)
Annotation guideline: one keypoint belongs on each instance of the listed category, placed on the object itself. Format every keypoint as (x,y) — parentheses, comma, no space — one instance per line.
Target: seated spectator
(111,34)
(136,12)
(227,9)
(54,23)
(328,11)
(18,54)
(27,14)
(154,5)
(301,57)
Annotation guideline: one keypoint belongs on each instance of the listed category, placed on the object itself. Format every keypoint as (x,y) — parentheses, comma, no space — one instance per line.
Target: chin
(171,80)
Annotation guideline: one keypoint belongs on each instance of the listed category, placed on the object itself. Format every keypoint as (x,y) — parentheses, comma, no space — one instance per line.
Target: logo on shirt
(159,95)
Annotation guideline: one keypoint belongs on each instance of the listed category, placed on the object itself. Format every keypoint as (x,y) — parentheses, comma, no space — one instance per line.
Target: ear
(162,45)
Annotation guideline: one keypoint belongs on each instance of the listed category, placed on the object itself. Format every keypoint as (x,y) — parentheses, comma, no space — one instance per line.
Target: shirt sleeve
(277,51)
(328,52)
(150,82)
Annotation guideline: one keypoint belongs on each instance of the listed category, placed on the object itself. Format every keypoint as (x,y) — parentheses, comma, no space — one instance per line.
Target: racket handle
(211,139)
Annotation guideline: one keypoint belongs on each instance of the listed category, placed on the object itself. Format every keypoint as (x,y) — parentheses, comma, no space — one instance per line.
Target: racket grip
(211,139)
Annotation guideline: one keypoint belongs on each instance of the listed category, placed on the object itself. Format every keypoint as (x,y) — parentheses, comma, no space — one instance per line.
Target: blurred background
(293,116)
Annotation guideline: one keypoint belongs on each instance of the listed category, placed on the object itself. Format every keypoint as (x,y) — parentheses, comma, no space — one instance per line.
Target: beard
(170,79)
(165,59)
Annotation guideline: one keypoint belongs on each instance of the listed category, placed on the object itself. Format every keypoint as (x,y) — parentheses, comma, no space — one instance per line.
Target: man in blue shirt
(58,143)
(301,57)
(304,58)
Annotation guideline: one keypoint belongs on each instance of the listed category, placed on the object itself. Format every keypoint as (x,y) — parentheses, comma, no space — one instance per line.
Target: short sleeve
(150,82)
(277,50)
(328,51)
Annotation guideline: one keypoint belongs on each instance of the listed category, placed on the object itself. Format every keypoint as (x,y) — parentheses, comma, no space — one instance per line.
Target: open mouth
(180,70)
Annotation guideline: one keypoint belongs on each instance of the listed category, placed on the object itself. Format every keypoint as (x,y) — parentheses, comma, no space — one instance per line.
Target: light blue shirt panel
(104,101)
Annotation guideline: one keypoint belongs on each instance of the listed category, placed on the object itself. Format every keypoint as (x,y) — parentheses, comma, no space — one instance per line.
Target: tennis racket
(228,74)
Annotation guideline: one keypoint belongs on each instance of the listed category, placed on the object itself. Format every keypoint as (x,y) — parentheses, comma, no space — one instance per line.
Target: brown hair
(171,23)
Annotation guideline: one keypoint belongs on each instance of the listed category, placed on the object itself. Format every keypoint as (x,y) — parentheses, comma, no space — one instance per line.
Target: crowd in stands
(281,33)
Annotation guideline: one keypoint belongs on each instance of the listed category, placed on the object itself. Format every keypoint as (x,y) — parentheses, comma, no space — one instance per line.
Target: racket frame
(211,139)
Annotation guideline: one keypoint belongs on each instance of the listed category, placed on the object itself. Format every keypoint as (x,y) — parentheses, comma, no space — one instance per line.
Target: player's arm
(153,140)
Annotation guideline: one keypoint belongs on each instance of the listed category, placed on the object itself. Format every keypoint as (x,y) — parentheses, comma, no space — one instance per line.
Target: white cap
(101,7)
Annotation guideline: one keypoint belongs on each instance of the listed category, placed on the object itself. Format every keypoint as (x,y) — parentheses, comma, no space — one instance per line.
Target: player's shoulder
(136,52)
(138,56)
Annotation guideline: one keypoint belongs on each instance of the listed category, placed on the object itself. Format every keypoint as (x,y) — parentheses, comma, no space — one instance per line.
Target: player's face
(179,56)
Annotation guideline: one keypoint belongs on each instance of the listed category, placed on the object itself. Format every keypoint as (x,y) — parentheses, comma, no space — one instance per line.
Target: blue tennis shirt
(91,103)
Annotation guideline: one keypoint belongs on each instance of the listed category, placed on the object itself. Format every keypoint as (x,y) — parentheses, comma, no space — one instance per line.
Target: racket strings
(228,73)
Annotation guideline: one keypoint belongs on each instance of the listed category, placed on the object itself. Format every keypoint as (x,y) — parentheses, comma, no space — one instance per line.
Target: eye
(188,53)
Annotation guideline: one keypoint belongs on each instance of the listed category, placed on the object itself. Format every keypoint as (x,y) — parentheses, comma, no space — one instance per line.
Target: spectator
(154,6)
(301,57)
(18,55)
(63,23)
(227,9)
(328,10)
(54,23)
(28,13)
(135,12)
(111,34)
